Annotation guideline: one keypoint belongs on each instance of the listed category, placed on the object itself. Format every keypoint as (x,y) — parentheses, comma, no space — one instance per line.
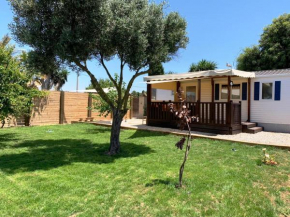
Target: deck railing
(208,113)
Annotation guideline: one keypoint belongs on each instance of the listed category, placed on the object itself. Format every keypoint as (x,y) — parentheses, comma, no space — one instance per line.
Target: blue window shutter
(256,90)
(217,92)
(277,90)
(244,91)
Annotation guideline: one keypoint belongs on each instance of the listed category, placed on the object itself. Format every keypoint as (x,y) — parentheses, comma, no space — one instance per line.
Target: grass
(62,171)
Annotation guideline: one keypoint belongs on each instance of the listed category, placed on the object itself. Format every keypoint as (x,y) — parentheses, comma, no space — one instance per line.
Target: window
(267,90)
(153,94)
(236,91)
(191,93)
(162,95)
(224,92)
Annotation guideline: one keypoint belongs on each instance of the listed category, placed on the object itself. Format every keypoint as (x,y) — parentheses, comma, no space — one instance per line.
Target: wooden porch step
(247,125)
(89,119)
(254,130)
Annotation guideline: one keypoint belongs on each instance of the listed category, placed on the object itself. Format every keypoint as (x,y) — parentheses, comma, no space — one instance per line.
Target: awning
(195,75)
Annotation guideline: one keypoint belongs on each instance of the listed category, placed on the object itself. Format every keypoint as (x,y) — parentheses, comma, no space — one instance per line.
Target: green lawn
(65,173)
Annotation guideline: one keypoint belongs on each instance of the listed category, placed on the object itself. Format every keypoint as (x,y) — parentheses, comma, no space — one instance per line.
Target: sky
(218,30)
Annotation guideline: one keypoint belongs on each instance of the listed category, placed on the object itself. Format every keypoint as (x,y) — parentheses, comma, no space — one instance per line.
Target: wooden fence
(62,108)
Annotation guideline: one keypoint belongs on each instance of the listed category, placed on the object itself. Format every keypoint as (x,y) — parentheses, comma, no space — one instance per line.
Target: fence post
(90,103)
(131,109)
(61,108)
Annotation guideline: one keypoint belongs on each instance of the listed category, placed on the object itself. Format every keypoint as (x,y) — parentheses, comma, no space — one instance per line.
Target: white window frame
(195,91)
(220,92)
(261,94)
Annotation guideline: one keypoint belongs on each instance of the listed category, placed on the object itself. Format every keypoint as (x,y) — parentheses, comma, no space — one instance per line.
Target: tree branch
(118,87)
(108,73)
(121,71)
(126,96)
(96,84)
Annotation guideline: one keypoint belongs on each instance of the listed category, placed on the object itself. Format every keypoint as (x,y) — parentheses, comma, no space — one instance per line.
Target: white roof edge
(274,75)
(201,74)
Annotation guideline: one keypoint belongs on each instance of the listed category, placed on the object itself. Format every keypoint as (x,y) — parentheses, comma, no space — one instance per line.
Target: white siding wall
(271,111)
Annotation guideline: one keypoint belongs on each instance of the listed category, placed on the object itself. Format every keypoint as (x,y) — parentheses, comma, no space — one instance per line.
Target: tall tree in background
(203,65)
(104,83)
(48,72)
(273,51)
(136,32)
(250,59)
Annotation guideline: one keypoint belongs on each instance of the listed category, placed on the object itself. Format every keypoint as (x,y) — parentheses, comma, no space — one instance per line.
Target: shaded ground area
(63,171)
(265,138)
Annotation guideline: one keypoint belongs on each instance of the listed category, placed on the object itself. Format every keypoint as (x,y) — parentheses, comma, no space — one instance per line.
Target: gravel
(262,138)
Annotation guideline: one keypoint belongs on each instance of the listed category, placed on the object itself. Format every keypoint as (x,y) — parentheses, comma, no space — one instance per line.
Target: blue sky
(218,30)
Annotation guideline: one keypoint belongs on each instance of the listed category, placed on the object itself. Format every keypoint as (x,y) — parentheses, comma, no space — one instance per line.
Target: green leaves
(99,104)
(273,51)
(203,65)
(137,31)
(16,97)
(250,59)
(156,69)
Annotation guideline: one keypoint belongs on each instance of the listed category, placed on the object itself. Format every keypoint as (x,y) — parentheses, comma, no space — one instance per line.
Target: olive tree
(137,32)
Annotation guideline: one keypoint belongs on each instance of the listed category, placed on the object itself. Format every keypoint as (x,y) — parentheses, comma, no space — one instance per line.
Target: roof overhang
(198,75)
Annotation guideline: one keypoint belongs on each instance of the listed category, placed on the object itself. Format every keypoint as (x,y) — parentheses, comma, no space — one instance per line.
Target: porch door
(191,93)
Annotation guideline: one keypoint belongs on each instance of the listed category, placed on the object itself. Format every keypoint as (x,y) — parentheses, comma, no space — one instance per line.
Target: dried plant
(268,159)
(184,120)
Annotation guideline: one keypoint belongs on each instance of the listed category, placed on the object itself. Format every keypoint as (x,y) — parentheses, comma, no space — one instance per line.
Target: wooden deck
(213,117)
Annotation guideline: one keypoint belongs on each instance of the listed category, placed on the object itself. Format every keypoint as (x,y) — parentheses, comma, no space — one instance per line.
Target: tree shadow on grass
(146,133)
(49,154)
(7,137)
(139,133)
(159,182)
(99,130)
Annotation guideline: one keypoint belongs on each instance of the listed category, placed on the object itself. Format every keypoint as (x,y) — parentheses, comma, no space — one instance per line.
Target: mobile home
(225,101)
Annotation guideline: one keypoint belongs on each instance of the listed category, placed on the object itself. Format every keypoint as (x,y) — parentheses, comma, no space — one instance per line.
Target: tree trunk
(115,132)
(26,120)
(184,161)
(3,123)
(188,146)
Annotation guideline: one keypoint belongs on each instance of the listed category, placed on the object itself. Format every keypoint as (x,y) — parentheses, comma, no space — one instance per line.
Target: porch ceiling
(198,75)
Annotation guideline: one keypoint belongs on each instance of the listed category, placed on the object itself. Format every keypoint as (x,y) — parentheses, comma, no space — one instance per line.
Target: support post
(177,85)
(229,88)
(177,88)
(212,105)
(212,90)
(61,108)
(249,99)
(198,97)
(149,91)
(199,90)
